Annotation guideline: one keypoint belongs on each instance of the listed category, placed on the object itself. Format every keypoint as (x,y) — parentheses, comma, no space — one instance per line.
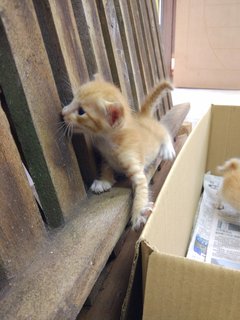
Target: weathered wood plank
(114,46)
(151,52)
(53,48)
(130,52)
(166,73)
(21,227)
(143,58)
(82,147)
(186,128)
(89,28)
(69,40)
(35,110)
(147,39)
(174,118)
(158,34)
(83,31)
(62,275)
(168,12)
(154,29)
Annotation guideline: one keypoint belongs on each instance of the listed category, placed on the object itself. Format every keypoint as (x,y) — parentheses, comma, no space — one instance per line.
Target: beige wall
(207,44)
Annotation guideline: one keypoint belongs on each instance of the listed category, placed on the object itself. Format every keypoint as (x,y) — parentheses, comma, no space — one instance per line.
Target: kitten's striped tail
(151,100)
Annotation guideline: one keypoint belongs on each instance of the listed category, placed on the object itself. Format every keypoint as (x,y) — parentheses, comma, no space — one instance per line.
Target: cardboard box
(174,287)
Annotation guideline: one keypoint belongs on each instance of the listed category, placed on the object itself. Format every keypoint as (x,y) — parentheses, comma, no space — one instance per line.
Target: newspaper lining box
(174,287)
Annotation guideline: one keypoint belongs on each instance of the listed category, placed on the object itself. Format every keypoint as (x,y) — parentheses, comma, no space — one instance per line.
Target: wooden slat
(175,117)
(158,34)
(89,28)
(130,52)
(53,49)
(21,226)
(62,65)
(143,58)
(114,47)
(147,39)
(151,51)
(71,47)
(86,43)
(35,110)
(161,49)
(154,29)
(168,11)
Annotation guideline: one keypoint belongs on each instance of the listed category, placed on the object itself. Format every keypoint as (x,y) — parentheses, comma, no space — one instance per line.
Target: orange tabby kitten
(230,189)
(129,142)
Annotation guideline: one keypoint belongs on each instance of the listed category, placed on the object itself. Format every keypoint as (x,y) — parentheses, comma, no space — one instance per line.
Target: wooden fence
(47,49)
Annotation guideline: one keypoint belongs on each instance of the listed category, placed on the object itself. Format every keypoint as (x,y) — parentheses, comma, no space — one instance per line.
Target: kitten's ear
(114,114)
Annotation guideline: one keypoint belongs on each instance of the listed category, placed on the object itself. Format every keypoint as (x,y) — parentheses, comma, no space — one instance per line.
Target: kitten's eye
(81,111)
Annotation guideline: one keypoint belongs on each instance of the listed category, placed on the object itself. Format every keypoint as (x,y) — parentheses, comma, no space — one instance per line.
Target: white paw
(167,151)
(146,211)
(139,222)
(100,186)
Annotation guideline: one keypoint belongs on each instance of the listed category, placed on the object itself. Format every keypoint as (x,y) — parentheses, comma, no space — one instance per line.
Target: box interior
(214,140)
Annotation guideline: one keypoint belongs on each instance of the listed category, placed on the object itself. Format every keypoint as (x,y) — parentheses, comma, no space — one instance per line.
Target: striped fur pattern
(129,142)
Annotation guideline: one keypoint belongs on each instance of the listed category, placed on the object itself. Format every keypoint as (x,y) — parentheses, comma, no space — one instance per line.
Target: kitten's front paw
(167,151)
(100,186)
(138,223)
(141,219)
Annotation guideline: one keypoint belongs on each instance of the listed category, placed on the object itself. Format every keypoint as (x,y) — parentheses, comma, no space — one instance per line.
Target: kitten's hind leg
(106,180)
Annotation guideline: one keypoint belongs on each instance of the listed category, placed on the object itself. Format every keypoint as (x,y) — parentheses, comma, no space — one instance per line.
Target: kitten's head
(97,107)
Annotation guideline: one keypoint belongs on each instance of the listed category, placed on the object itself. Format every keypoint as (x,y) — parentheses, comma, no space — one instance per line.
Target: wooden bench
(52,252)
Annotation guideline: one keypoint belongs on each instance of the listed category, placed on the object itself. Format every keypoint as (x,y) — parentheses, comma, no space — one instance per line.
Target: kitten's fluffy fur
(129,142)
(230,189)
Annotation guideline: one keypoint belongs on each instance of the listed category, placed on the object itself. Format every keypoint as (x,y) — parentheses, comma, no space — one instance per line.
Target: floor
(201,99)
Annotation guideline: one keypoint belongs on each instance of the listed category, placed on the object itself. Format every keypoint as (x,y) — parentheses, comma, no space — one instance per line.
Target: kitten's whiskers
(64,130)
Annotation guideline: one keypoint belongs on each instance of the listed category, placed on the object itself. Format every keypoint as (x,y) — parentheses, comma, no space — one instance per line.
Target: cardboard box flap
(170,224)
(224,141)
(133,302)
(178,288)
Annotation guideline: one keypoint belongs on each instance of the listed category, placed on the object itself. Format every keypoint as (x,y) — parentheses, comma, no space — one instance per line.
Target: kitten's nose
(71,107)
